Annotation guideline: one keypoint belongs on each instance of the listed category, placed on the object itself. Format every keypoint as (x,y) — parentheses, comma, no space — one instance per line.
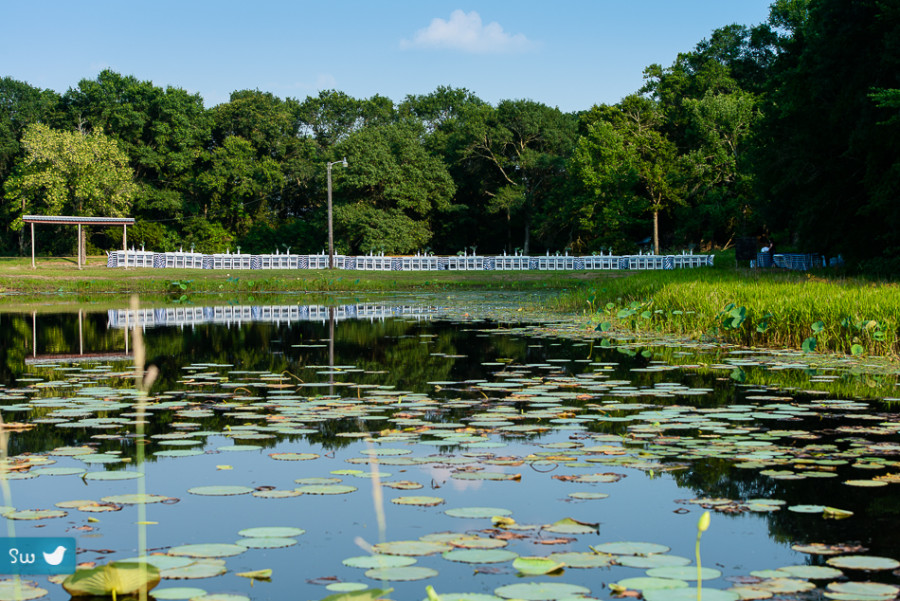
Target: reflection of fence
(408,263)
(239,314)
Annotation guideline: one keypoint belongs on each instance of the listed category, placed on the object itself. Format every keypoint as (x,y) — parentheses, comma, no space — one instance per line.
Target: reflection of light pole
(330,229)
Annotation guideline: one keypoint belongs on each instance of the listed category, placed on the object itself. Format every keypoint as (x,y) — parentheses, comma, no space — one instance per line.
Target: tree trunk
(656,232)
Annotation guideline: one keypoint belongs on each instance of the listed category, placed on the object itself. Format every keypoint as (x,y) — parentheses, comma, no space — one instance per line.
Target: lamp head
(345,162)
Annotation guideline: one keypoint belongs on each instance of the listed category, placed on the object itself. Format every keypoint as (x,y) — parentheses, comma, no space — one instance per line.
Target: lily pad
(683,572)
(112,579)
(477,512)
(650,583)
(422,501)
(541,591)
(269,542)
(271,531)
(479,555)
(630,548)
(690,594)
(35,514)
(404,574)
(178,592)
(379,561)
(570,526)
(812,572)
(536,566)
(411,547)
(20,590)
(327,489)
(136,499)
(863,562)
(577,559)
(200,568)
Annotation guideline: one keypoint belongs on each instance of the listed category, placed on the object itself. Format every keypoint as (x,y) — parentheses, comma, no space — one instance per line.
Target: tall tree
(626,157)
(392,192)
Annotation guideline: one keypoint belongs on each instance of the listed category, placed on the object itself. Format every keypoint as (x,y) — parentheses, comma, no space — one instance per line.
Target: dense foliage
(785,130)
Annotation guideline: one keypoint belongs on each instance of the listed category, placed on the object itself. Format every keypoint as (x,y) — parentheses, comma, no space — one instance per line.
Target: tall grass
(752,308)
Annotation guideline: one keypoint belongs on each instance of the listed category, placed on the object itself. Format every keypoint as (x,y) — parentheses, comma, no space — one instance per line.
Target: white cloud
(466,32)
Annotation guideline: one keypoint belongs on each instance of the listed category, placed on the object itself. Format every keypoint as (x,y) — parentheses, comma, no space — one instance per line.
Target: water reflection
(478,412)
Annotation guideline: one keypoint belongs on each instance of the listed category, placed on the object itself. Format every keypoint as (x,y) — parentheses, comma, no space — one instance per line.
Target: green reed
(752,308)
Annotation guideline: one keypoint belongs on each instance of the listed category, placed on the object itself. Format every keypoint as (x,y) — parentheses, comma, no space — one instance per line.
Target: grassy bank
(62,275)
(750,307)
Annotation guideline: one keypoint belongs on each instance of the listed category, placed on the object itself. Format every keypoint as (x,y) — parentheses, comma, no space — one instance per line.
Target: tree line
(786,130)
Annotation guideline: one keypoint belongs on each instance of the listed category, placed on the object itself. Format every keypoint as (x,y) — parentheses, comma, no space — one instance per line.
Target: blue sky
(566,53)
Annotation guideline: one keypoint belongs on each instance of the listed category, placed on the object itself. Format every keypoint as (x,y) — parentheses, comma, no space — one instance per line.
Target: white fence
(463,262)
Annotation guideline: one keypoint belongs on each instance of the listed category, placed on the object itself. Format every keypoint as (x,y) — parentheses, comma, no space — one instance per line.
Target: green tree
(525,146)
(392,191)
(634,160)
(236,186)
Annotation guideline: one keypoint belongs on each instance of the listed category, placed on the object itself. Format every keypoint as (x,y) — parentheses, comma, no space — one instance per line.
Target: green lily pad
(327,489)
(35,514)
(422,501)
(570,526)
(271,531)
(477,512)
(683,572)
(411,547)
(812,572)
(479,555)
(57,471)
(690,594)
(586,496)
(346,587)
(630,548)
(650,583)
(220,491)
(293,456)
(536,566)
(268,542)
(404,574)
(178,592)
(20,590)
(584,560)
(109,476)
(317,481)
(379,561)
(276,494)
(863,590)
(136,499)
(863,562)
(541,591)
(197,569)
(207,550)
(116,578)
(807,508)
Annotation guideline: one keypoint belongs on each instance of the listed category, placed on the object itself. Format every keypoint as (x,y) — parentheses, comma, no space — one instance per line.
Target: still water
(365,431)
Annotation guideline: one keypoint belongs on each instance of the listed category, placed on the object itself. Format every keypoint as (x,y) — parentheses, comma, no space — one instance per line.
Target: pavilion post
(32,246)
(79,246)
(125,244)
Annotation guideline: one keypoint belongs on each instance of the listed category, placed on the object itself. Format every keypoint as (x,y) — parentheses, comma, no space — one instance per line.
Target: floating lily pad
(116,578)
(479,555)
(570,526)
(865,591)
(35,514)
(346,587)
(136,499)
(683,573)
(650,583)
(271,531)
(276,494)
(404,574)
(812,572)
(268,542)
(807,508)
(379,561)
(293,456)
(200,568)
(411,547)
(327,489)
(20,590)
(109,476)
(58,471)
(588,495)
(421,501)
(630,548)
(178,592)
(207,550)
(690,594)
(536,566)
(220,491)
(863,562)
(541,591)
(646,562)
(477,512)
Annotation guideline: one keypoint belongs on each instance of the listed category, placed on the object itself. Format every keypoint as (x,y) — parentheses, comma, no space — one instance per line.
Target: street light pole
(330,227)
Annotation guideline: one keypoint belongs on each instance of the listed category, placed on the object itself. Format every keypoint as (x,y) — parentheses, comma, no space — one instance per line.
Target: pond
(401,445)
